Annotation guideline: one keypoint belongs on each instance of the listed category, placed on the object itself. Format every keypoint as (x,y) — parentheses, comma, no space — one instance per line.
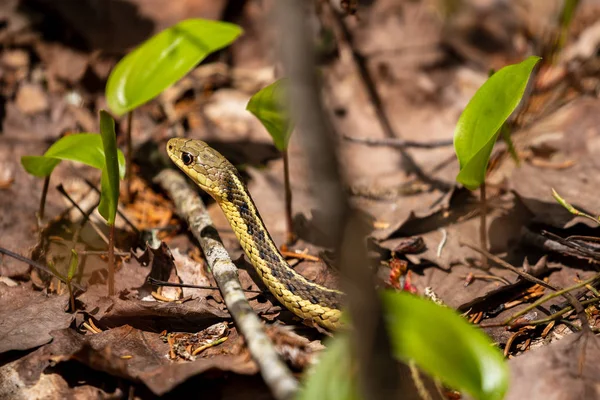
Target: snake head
(206,166)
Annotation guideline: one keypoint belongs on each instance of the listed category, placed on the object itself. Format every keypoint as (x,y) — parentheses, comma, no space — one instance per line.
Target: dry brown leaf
(28,317)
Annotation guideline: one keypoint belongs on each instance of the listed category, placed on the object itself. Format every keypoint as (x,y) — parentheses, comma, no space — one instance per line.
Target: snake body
(214,174)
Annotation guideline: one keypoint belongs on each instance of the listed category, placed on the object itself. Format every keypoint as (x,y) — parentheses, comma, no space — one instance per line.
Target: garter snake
(214,174)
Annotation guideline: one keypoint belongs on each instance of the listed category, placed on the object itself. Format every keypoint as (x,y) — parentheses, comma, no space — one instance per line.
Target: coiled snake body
(214,174)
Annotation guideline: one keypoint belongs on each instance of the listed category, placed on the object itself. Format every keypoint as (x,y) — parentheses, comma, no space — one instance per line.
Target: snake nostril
(170,147)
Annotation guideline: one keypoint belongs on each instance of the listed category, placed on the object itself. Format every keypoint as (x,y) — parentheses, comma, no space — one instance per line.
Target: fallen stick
(191,208)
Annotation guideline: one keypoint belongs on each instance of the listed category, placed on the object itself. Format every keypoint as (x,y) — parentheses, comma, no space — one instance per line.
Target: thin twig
(158,282)
(568,296)
(550,297)
(191,208)
(554,317)
(550,242)
(103,253)
(508,266)
(62,191)
(36,265)
(398,142)
(572,245)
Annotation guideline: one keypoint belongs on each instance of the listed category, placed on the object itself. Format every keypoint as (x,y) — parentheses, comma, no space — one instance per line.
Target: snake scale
(214,174)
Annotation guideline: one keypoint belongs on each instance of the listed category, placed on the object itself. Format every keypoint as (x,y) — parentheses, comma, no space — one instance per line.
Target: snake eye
(187,158)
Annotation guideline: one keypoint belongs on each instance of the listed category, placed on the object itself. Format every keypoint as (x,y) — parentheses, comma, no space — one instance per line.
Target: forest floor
(395,70)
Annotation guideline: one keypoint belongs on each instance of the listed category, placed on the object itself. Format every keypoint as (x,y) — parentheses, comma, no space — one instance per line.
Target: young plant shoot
(480,125)
(268,106)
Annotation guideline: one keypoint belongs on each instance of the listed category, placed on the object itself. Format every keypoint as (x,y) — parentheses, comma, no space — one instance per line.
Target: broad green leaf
(268,105)
(445,345)
(479,125)
(163,59)
(109,197)
(85,148)
(333,378)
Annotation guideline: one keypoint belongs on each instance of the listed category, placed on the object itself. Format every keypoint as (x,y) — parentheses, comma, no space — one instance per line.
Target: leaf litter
(422,91)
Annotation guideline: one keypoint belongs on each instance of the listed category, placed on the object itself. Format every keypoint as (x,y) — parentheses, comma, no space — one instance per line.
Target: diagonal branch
(191,208)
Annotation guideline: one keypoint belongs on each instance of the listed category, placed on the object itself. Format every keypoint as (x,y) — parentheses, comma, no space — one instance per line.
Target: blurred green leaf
(333,378)
(163,59)
(268,105)
(445,345)
(109,197)
(85,148)
(565,19)
(479,125)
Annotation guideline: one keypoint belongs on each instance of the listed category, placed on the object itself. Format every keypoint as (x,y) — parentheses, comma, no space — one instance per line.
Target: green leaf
(268,105)
(479,125)
(85,148)
(73,265)
(572,209)
(333,378)
(564,203)
(163,59)
(445,345)
(109,197)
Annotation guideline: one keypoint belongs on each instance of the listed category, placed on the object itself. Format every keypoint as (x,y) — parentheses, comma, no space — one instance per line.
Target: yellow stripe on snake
(214,174)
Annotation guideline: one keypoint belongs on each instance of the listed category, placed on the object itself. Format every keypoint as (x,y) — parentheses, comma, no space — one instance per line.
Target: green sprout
(481,123)
(97,151)
(268,106)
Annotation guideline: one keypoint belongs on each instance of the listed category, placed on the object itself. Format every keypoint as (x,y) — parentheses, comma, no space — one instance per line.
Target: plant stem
(111,260)
(291,237)
(483,224)
(71,297)
(43,199)
(129,156)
